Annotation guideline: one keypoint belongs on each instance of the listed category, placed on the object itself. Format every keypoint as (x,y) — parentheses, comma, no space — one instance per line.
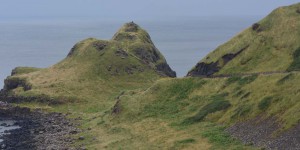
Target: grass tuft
(218,103)
(265,103)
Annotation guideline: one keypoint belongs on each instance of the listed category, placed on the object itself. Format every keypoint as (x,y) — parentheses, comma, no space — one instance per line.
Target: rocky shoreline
(261,132)
(39,130)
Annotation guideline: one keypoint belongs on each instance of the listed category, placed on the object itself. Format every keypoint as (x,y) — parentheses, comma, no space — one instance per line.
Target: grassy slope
(180,103)
(271,45)
(89,79)
(173,113)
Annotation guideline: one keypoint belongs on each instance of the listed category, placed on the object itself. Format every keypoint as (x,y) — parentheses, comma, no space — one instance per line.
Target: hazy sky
(132,9)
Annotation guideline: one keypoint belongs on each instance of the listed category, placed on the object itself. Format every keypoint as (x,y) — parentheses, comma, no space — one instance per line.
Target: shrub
(218,103)
(285,78)
(241,111)
(247,80)
(265,103)
(295,66)
(186,141)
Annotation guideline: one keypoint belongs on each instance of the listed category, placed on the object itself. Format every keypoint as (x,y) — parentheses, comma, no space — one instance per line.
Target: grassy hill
(116,90)
(271,44)
(92,67)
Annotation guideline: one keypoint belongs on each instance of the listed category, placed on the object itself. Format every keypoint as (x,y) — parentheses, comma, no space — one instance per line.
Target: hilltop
(129,59)
(269,45)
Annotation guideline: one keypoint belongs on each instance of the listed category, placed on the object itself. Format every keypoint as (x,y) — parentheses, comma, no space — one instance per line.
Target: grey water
(42,42)
(6,126)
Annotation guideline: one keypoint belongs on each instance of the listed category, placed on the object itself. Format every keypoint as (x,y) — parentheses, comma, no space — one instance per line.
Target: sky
(136,9)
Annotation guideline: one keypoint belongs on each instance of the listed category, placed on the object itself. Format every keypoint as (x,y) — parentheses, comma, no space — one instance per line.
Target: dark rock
(208,69)
(117,107)
(38,130)
(100,45)
(3,146)
(298,11)
(121,53)
(255,26)
(260,132)
(73,50)
(15,82)
(131,27)
(3,124)
(73,132)
(81,138)
(166,70)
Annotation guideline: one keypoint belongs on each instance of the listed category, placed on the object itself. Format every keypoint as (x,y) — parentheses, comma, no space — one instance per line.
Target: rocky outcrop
(261,132)
(165,69)
(38,130)
(203,69)
(15,82)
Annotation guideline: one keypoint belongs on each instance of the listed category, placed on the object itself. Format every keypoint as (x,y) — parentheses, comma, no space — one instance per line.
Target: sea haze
(44,42)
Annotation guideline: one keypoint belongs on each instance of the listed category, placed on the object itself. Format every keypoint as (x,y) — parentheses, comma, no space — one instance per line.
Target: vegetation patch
(217,103)
(186,141)
(295,66)
(23,70)
(265,103)
(173,99)
(241,80)
(285,78)
(232,79)
(241,111)
(217,135)
(247,80)
(246,95)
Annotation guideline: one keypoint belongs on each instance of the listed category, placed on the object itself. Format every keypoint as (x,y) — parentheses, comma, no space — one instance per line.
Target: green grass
(265,103)
(295,66)
(217,103)
(24,70)
(155,110)
(273,48)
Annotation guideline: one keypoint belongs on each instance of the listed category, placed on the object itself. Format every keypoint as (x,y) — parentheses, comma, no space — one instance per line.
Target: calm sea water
(42,42)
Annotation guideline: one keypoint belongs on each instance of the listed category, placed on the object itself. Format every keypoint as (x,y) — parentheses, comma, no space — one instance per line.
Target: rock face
(267,45)
(203,69)
(141,46)
(38,130)
(261,132)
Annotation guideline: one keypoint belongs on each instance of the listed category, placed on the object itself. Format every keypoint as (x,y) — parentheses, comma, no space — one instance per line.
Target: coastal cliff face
(268,45)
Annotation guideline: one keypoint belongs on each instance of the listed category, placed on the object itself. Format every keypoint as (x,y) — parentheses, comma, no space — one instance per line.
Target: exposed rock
(131,27)
(81,138)
(117,108)
(261,131)
(38,130)
(121,53)
(99,45)
(73,49)
(208,69)
(15,82)
(255,26)
(146,55)
(165,68)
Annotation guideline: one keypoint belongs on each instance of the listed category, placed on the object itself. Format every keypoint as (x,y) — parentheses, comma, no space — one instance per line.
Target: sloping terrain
(271,44)
(115,91)
(93,66)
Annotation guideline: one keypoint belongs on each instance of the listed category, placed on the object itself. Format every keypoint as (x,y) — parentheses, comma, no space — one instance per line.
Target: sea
(42,42)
